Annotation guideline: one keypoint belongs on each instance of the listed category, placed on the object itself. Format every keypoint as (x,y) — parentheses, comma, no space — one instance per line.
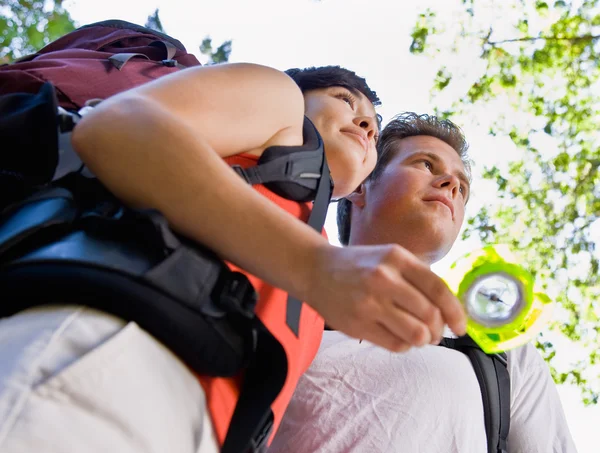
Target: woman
(168,145)
(200,121)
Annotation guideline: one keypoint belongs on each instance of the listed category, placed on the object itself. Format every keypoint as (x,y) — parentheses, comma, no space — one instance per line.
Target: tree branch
(547,38)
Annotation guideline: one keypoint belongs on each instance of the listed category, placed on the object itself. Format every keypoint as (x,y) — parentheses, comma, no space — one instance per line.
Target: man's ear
(357,198)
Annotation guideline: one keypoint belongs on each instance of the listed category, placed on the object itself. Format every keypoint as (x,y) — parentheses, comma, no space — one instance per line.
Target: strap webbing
(494,381)
(170,51)
(316,221)
(119,60)
(252,419)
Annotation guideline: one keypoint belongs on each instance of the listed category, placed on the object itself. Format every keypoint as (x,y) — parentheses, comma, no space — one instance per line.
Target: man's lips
(443,200)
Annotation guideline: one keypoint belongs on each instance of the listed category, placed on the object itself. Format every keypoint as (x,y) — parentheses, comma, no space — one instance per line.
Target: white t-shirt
(357,397)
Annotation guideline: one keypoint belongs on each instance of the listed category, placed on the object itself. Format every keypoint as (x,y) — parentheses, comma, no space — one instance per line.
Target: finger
(436,291)
(397,296)
(405,326)
(410,300)
(378,334)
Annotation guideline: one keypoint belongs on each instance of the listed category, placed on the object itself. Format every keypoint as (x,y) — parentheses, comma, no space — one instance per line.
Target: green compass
(503,308)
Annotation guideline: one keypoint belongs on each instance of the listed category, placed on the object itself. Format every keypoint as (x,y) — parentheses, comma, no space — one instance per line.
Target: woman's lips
(359,138)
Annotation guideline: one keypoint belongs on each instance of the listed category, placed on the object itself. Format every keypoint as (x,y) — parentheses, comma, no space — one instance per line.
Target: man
(357,397)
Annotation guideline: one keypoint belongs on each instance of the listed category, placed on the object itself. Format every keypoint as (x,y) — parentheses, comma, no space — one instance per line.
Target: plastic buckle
(242,172)
(67,120)
(169,63)
(238,295)
(258,444)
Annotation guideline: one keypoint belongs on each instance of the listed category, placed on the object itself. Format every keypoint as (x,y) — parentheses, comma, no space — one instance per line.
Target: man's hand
(383,294)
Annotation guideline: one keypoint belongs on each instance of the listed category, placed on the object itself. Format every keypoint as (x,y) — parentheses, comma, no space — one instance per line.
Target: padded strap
(252,420)
(494,381)
(316,221)
(132,266)
(288,167)
(292,172)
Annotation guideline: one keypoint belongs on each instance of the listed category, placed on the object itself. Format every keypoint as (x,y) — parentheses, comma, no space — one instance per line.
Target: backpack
(64,235)
(93,62)
(494,381)
(96,61)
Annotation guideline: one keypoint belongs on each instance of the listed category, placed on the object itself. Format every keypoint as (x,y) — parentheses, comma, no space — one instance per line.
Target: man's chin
(428,248)
(426,238)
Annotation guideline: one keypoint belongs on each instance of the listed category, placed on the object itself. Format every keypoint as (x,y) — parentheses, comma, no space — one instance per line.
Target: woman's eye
(428,165)
(347,98)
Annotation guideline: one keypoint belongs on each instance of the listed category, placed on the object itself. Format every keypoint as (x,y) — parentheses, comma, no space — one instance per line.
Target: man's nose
(450,183)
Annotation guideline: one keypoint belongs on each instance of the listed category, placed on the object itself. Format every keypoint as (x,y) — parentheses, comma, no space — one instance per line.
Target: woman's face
(348,125)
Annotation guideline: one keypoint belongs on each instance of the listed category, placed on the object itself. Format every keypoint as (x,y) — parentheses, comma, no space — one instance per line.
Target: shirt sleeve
(537,423)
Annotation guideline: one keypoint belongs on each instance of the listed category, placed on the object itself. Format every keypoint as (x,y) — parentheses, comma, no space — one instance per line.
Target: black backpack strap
(316,221)
(252,420)
(300,173)
(494,381)
(128,263)
(292,172)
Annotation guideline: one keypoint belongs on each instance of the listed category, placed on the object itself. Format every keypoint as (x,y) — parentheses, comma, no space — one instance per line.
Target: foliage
(153,22)
(28,25)
(220,55)
(534,65)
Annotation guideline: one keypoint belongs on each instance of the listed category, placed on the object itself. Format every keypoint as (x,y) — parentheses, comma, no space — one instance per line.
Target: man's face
(417,202)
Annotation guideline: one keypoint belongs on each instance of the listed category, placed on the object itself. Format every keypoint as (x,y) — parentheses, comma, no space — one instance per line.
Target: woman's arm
(161,146)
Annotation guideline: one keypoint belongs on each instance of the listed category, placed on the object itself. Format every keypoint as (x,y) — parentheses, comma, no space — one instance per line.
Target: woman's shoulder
(262,85)
(238,107)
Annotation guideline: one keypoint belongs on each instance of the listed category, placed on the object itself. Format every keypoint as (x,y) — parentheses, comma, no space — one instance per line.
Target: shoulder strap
(494,380)
(316,221)
(300,173)
(252,420)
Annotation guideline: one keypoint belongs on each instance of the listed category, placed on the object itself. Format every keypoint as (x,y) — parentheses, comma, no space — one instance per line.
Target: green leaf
(538,87)
(26,26)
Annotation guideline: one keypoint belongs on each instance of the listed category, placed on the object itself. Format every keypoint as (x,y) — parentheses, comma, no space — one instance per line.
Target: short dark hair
(405,125)
(314,78)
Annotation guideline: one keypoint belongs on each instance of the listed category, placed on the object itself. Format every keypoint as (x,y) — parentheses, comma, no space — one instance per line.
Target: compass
(504,309)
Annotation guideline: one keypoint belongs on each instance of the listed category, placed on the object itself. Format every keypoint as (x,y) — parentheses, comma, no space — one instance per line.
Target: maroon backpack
(96,61)
(93,62)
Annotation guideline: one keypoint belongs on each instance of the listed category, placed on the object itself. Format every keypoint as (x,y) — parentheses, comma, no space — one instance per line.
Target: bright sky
(370,37)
